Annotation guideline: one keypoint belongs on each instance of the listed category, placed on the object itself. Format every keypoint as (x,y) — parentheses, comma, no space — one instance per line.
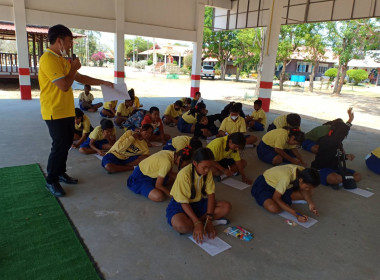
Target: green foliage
(141,64)
(93,41)
(275,78)
(138,43)
(188,61)
(332,73)
(150,62)
(175,62)
(357,75)
(185,70)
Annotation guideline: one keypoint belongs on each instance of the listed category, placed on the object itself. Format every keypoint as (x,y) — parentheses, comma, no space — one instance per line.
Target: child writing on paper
(235,123)
(179,142)
(227,156)
(128,151)
(258,120)
(100,139)
(204,127)
(85,100)
(193,206)
(109,109)
(278,186)
(136,101)
(82,128)
(289,120)
(124,110)
(186,101)
(172,113)
(151,177)
(280,145)
(153,118)
(186,123)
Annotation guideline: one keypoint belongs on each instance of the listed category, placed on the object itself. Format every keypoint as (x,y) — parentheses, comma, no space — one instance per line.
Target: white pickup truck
(208,71)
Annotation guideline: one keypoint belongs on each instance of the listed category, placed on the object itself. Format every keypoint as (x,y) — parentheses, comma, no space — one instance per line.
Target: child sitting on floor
(82,128)
(153,173)
(100,140)
(153,118)
(235,123)
(227,156)
(373,161)
(109,109)
(85,100)
(278,186)
(193,206)
(172,113)
(124,111)
(204,127)
(258,120)
(280,145)
(186,103)
(290,121)
(226,110)
(136,101)
(196,100)
(128,151)
(186,123)
(179,142)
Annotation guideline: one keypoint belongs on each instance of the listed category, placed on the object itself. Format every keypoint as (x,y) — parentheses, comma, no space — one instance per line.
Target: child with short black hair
(136,101)
(289,120)
(128,151)
(186,101)
(279,186)
(100,139)
(172,113)
(124,111)
(196,100)
(186,123)
(204,127)
(180,142)
(82,128)
(227,109)
(153,173)
(109,109)
(258,120)
(85,100)
(193,206)
(153,118)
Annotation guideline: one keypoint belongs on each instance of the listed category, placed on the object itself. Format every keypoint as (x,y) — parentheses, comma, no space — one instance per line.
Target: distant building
(371,64)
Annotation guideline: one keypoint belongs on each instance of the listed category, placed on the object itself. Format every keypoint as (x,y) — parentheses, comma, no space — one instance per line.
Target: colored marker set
(240,233)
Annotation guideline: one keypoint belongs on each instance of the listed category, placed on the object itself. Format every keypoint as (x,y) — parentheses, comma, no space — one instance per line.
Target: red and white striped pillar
(197,51)
(119,42)
(22,49)
(270,52)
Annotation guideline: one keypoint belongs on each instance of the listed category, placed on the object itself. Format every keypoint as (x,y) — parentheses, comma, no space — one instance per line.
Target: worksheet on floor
(235,184)
(98,156)
(360,192)
(118,92)
(306,224)
(212,246)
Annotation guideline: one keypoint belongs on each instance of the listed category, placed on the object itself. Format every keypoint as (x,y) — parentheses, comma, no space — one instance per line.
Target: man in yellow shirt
(56,76)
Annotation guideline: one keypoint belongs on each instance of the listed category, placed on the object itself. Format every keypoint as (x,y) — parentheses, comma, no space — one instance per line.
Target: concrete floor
(129,238)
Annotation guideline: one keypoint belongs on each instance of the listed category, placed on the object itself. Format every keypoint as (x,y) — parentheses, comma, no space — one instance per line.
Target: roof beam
(223,4)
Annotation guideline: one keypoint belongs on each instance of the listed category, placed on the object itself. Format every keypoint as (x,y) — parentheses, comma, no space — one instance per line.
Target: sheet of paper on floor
(299,201)
(289,216)
(235,184)
(212,246)
(156,144)
(361,192)
(119,92)
(98,156)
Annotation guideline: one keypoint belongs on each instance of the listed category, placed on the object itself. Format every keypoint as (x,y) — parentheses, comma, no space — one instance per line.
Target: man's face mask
(234,117)
(62,49)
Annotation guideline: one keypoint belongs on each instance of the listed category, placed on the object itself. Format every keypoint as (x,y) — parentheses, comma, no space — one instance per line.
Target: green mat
(37,240)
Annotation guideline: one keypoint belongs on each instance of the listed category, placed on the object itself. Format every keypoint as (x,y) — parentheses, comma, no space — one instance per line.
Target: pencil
(204,228)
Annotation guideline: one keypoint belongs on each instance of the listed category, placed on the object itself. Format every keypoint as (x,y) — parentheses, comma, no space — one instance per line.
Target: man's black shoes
(55,189)
(67,179)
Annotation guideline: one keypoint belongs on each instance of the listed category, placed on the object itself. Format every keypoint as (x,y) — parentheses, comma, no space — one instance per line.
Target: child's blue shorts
(140,183)
(199,208)
(169,146)
(98,144)
(81,107)
(267,153)
(271,127)
(184,126)
(324,172)
(308,144)
(258,126)
(261,191)
(111,158)
(226,162)
(104,116)
(373,163)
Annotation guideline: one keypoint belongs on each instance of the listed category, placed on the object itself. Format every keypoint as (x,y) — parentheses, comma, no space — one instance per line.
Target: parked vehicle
(208,71)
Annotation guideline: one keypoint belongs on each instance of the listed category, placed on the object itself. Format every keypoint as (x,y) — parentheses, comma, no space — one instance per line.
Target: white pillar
(119,42)
(270,52)
(22,49)
(197,51)
(179,60)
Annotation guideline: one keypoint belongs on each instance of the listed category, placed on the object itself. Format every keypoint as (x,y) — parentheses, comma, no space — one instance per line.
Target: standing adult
(56,76)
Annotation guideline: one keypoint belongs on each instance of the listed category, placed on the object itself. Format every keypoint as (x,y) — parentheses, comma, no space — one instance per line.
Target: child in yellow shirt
(100,140)
(124,110)
(109,109)
(128,151)
(153,173)
(193,206)
(179,142)
(186,123)
(85,100)
(172,113)
(278,186)
(82,128)
(373,161)
(258,120)
(289,120)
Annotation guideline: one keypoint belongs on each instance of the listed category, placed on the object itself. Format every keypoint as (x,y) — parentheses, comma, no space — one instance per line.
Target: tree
(136,45)
(357,75)
(92,42)
(188,61)
(332,73)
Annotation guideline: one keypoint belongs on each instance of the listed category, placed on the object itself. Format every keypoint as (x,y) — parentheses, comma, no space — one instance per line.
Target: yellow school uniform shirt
(187,117)
(376,152)
(55,103)
(84,125)
(230,126)
(136,103)
(158,164)
(260,114)
(180,142)
(110,105)
(84,97)
(181,190)
(124,110)
(278,138)
(218,148)
(280,121)
(97,133)
(127,146)
(279,177)
(170,111)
